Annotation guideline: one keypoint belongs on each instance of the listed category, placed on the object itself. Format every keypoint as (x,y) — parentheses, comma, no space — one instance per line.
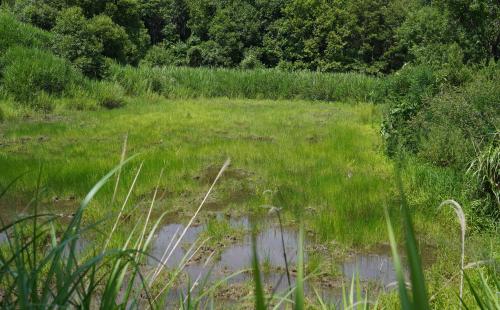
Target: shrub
(162,55)
(407,92)
(485,171)
(30,71)
(251,62)
(213,55)
(459,121)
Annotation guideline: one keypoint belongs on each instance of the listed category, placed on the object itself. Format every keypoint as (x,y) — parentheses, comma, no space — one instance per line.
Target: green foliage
(485,171)
(235,27)
(114,38)
(407,92)
(445,116)
(260,83)
(13,32)
(30,71)
(251,61)
(476,28)
(374,36)
(337,36)
(166,20)
(38,13)
(108,95)
(162,55)
(207,54)
(75,41)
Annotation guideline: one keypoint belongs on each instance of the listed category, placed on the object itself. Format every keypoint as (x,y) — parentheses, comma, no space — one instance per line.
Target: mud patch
(208,174)
(258,138)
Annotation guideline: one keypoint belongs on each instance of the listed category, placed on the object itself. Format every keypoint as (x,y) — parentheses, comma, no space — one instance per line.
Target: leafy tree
(113,37)
(478,26)
(166,19)
(201,13)
(234,28)
(373,27)
(38,13)
(75,41)
(127,14)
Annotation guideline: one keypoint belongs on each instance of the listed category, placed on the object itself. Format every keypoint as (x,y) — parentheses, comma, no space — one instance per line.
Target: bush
(251,61)
(459,121)
(27,72)
(407,92)
(114,39)
(208,54)
(485,171)
(160,55)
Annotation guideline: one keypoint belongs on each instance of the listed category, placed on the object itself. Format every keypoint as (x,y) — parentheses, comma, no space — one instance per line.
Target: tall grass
(183,82)
(15,33)
(484,291)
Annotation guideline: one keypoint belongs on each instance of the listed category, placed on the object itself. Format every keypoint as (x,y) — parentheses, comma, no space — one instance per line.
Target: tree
(478,27)
(166,19)
(75,41)
(235,27)
(113,38)
(38,13)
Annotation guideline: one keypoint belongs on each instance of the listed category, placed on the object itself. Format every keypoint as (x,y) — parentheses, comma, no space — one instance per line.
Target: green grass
(183,82)
(319,157)
(13,32)
(322,161)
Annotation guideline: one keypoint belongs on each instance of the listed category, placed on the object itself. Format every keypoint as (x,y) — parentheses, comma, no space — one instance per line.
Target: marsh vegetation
(249,154)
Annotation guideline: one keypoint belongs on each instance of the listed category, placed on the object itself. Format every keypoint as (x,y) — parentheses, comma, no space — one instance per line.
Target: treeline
(370,36)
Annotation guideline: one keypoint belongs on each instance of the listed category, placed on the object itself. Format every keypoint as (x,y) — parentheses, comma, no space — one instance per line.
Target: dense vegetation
(432,67)
(376,36)
(443,100)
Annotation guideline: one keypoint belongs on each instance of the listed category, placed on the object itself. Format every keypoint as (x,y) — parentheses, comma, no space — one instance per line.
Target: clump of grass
(107,94)
(485,171)
(220,230)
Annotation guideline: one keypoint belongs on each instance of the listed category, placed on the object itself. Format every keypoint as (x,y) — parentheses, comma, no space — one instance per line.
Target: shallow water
(375,268)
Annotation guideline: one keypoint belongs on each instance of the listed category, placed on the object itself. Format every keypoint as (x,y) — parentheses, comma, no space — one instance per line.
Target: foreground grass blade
(419,290)
(403,293)
(259,300)
(299,291)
